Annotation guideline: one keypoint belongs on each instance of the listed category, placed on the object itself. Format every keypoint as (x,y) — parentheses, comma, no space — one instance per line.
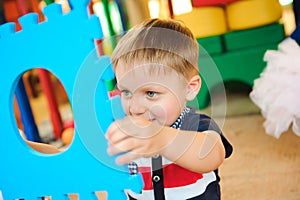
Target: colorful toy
(67,136)
(64,45)
(232,48)
(46,83)
(23,106)
(201,3)
(68,133)
(212,44)
(69,124)
(268,34)
(241,58)
(296,34)
(27,118)
(205,21)
(29,126)
(56,119)
(252,13)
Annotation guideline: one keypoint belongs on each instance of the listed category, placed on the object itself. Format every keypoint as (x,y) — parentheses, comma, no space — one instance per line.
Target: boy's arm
(197,151)
(134,137)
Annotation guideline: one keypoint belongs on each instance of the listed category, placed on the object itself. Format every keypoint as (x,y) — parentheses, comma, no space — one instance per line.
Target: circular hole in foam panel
(55,133)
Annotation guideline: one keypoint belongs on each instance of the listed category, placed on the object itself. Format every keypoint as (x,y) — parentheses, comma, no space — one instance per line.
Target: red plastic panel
(200,3)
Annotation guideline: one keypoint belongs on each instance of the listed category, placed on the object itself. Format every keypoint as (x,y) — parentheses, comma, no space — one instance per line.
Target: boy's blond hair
(166,42)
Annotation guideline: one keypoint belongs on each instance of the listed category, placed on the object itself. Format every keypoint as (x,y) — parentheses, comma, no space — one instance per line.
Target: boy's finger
(116,137)
(111,129)
(111,150)
(120,147)
(126,158)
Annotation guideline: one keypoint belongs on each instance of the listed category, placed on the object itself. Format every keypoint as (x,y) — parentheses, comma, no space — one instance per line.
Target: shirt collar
(177,124)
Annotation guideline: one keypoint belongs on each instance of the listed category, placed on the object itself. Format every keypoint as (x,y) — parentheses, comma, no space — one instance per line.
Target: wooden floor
(261,166)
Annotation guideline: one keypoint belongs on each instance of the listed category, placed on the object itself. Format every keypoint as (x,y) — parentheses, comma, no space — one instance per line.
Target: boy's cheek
(159,114)
(125,106)
(167,113)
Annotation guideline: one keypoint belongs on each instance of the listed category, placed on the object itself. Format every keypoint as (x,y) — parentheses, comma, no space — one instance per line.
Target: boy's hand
(135,137)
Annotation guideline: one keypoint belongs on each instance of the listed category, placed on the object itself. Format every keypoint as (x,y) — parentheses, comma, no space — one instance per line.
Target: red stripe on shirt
(174,176)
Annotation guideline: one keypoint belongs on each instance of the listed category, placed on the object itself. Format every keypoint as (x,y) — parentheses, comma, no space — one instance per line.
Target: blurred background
(235,33)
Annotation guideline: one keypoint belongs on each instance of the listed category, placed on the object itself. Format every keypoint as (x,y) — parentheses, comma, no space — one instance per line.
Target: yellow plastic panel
(247,14)
(205,21)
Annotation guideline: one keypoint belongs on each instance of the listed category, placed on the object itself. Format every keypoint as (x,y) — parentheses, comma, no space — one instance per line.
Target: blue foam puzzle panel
(64,45)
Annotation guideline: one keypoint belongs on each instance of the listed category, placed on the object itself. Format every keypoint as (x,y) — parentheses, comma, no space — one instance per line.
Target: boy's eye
(126,93)
(151,94)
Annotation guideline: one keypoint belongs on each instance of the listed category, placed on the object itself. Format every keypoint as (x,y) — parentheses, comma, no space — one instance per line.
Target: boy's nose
(137,107)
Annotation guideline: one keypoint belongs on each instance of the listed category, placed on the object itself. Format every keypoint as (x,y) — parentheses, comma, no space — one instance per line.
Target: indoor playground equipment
(233,36)
(22,101)
(64,45)
(27,118)
(106,11)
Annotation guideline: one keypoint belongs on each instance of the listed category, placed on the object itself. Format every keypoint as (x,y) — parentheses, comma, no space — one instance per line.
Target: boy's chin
(158,122)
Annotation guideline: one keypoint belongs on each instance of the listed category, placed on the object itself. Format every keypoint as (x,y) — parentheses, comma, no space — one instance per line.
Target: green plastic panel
(269,34)
(244,66)
(212,44)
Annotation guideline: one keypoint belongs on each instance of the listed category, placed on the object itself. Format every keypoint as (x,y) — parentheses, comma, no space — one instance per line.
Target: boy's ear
(193,87)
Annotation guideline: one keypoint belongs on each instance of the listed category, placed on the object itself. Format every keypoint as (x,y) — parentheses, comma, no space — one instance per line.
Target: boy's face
(157,94)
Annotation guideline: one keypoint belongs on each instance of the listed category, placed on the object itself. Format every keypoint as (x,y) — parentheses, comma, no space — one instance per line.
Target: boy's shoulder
(199,122)
(195,121)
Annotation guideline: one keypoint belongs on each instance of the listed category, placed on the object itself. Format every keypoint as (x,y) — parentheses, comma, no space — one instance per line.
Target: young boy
(177,151)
